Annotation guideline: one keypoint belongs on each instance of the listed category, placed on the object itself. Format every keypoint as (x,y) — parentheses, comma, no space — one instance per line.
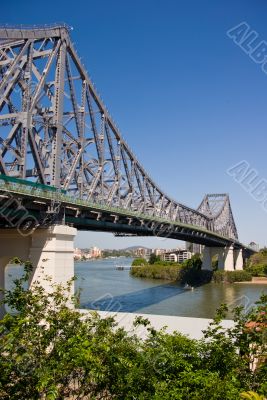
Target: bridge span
(63,160)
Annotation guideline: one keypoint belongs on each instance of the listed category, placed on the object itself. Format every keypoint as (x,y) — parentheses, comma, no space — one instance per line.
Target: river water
(103,287)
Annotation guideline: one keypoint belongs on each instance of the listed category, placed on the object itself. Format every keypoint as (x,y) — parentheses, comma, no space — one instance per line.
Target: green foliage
(238,276)
(257,263)
(139,262)
(153,258)
(259,258)
(157,271)
(231,276)
(195,262)
(117,253)
(195,277)
(189,272)
(15,260)
(215,262)
(219,276)
(263,251)
(192,273)
(257,270)
(167,263)
(51,351)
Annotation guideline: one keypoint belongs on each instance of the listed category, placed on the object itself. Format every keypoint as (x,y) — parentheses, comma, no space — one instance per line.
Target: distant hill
(132,248)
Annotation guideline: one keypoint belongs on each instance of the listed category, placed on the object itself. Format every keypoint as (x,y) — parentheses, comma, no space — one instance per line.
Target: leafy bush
(231,276)
(174,272)
(167,263)
(195,277)
(259,258)
(156,271)
(153,258)
(218,276)
(257,270)
(238,276)
(49,351)
(139,262)
(195,262)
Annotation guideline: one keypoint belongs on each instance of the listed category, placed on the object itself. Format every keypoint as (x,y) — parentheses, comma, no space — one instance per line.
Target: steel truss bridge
(63,157)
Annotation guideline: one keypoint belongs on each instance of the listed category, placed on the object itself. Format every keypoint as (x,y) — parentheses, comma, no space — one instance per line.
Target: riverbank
(257,280)
(155,271)
(190,275)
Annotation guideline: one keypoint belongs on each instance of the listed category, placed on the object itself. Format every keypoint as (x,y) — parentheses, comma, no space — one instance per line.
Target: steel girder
(56,130)
(218,208)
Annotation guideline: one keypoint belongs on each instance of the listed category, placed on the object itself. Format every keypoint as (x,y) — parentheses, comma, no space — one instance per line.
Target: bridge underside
(27,208)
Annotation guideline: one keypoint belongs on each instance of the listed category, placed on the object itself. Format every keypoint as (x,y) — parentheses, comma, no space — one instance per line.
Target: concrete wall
(192,327)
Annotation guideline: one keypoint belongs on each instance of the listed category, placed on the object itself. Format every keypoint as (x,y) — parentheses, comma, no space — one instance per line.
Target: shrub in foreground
(49,351)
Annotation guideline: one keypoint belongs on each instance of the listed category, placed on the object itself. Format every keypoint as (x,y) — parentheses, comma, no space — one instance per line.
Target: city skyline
(189,100)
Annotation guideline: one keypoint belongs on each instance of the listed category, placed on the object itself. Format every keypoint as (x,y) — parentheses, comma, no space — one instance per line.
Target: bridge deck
(89,215)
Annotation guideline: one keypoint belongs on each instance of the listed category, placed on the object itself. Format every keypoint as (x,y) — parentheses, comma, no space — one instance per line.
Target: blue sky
(188,100)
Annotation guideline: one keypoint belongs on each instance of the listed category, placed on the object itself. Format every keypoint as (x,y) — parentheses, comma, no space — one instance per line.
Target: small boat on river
(188,287)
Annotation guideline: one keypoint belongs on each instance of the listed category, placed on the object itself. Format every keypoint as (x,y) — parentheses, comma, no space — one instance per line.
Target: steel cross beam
(55,130)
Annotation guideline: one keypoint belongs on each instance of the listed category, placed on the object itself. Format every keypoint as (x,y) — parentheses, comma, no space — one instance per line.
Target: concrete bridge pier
(207,258)
(51,254)
(238,259)
(226,259)
(50,251)
(229,259)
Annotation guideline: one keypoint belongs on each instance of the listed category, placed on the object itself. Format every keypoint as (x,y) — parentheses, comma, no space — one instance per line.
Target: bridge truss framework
(56,131)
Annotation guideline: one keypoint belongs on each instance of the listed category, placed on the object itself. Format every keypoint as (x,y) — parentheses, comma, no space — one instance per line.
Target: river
(105,288)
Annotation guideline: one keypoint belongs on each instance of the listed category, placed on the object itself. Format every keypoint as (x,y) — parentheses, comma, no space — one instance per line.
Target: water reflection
(132,302)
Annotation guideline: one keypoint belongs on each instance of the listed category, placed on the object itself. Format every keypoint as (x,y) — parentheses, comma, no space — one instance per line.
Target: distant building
(254,246)
(95,252)
(159,252)
(140,252)
(170,257)
(177,255)
(77,254)
(194,248)
(143,252)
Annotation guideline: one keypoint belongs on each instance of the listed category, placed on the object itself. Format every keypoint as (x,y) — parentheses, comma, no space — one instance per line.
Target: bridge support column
(225,258)
(50,251)
(3,262)
(229,258)
(207,258)
(12,244)
(238,259)
(51,254)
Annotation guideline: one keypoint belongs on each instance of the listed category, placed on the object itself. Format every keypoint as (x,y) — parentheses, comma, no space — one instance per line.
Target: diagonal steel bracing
(56,130)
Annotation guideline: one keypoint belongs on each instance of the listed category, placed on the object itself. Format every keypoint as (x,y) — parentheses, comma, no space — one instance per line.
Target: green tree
(51,351)
(153,258)
(139,262)
(263,251)
(195,262)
